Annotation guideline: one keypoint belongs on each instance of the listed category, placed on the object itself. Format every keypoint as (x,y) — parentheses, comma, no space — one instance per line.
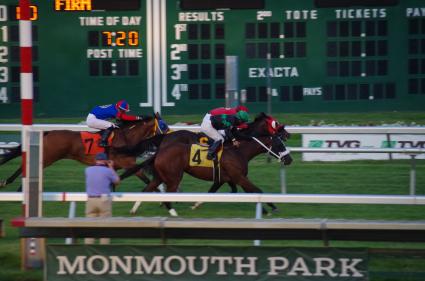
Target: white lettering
(277,263)
(262,14)
(65,267)
(201,16)
(130,53)
(415,12)
(131,20)
(221,264)
(191,265)
(112,20)
(4,99)
(345,267)
(143,267)
(251,265)
(178,29)
(176,49)
(180,265)
(126,267)
(360,13)
(4,51)
(102,265)
(299,265)
(99,53)
(283,71)
(91,21)
(321,266)
(3,13)
(312,91)
(300,14)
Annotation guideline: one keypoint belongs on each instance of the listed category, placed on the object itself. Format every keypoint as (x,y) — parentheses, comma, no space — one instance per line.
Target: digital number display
(34,13)
(121,38)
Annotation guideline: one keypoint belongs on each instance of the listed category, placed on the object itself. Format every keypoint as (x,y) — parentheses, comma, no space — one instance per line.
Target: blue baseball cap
(101,156)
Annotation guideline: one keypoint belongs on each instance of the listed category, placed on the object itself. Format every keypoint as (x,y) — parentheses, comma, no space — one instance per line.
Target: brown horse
(65,144)
(173,156)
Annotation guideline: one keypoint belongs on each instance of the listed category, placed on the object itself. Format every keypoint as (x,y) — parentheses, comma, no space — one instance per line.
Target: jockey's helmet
(243,116)
(123,105)
(241,108)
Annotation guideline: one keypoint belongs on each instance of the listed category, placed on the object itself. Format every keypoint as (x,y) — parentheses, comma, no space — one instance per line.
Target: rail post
(283,188)
(258,216)
(413,175)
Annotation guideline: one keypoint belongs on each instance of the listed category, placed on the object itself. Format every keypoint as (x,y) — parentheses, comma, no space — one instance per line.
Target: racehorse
(264,134)
(65,144)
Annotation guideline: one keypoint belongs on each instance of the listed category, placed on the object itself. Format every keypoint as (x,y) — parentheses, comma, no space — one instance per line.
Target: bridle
(270,151)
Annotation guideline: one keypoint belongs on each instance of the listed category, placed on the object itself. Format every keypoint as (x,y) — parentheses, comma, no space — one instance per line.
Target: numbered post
(232,82)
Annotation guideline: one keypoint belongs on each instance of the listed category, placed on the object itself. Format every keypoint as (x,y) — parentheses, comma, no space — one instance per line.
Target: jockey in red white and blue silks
(99,117)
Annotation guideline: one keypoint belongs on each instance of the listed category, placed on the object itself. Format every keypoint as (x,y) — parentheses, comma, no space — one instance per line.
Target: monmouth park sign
(122,262)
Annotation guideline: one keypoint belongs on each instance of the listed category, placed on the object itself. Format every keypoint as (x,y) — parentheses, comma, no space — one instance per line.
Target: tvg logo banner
(316,143)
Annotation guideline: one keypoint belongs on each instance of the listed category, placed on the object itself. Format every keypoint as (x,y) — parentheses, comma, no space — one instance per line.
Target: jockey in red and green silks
(217,122)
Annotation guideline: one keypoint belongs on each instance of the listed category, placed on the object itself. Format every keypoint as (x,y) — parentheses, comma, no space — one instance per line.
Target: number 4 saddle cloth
(91,142)
(198,156)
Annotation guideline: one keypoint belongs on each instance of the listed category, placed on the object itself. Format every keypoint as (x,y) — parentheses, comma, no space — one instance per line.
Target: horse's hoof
(275,211)
(3,183)
(196,205)
(173,213)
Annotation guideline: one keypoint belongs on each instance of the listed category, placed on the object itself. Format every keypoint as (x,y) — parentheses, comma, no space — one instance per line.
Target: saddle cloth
(198,156)
(91,142)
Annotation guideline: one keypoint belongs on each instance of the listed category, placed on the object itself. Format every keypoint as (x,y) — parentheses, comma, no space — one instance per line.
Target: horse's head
(267,126)
(278,147)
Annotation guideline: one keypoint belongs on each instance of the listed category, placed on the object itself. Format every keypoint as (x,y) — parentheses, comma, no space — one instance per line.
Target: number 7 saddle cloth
(91,142)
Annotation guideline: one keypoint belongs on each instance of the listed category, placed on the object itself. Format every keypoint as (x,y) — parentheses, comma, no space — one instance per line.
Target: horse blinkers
(279,148)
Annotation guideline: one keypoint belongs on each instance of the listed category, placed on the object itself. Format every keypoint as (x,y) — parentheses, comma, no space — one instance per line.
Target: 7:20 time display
(121,38)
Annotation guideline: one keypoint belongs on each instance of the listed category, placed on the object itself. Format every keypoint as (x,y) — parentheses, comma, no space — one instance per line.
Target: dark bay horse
(172,158)
(65,144)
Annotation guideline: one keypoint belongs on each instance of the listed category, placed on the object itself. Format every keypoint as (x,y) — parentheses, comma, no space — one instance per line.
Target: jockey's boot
(211,155)
(104,137)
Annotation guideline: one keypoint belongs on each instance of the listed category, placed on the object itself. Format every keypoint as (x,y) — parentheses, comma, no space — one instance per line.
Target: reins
(268,149)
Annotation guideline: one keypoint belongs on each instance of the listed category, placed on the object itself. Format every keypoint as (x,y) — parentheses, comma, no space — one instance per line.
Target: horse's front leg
(213,189)
(153,186)
(143,177)
(12,178)
(249,187)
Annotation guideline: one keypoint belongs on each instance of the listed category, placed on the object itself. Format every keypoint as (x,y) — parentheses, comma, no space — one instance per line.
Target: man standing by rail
(99,180)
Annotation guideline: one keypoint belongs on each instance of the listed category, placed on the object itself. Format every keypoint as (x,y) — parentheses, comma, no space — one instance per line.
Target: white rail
(291,129)
(228,198)
(411,151)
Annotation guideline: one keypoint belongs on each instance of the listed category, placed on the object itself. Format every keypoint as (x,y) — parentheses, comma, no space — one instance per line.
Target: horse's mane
(125,123)
(246,133)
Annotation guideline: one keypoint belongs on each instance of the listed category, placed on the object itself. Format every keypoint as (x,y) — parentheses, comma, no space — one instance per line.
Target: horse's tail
(11,154)
(145,164)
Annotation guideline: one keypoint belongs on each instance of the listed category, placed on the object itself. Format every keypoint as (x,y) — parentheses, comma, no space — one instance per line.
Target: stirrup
(103,143)
(211,156)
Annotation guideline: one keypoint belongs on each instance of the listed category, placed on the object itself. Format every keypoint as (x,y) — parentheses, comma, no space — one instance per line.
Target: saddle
(91,142)
(204,140)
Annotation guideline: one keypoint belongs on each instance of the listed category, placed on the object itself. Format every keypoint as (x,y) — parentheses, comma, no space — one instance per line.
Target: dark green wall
(328,59)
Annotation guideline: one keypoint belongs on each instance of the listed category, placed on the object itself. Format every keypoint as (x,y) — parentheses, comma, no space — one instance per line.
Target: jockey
(99,115)
(219,121)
